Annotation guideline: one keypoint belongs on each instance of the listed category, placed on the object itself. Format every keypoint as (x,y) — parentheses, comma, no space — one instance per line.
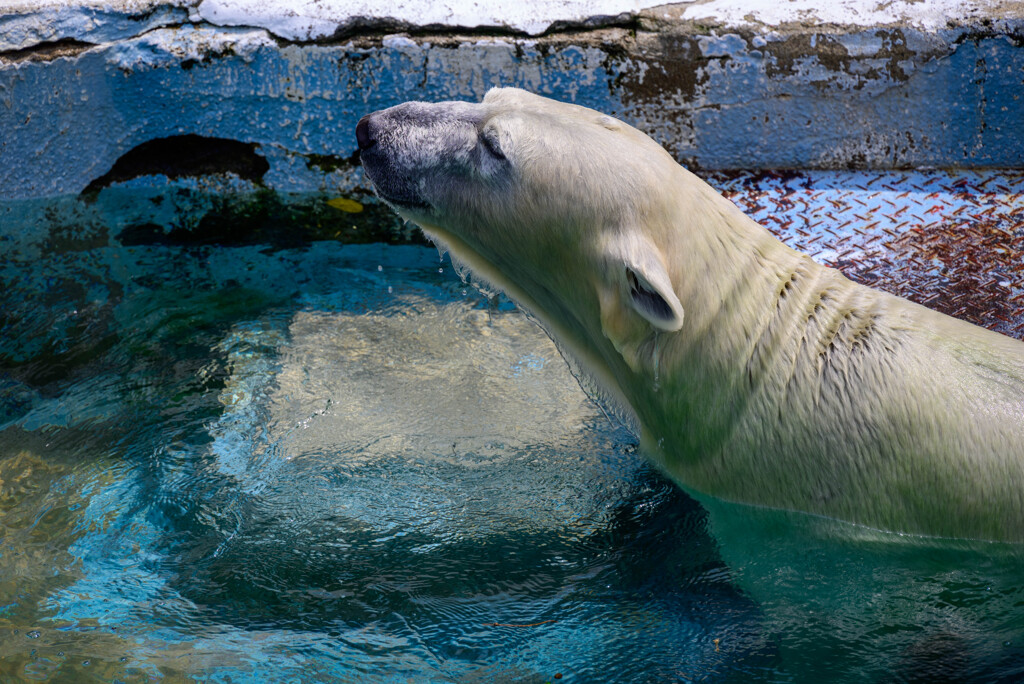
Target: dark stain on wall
(666,64)
(825,49)
(328,163)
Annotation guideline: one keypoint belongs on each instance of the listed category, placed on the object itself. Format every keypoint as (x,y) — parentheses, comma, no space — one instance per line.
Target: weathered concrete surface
(924,84)
(920,14)
(25,24)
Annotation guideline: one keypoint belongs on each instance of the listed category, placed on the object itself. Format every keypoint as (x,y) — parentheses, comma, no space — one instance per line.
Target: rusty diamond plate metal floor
(951,240)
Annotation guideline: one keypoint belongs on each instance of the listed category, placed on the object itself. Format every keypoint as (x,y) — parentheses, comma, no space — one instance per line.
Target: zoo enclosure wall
(268,98)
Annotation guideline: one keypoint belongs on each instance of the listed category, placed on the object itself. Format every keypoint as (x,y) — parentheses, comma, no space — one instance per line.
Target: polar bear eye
(489,139)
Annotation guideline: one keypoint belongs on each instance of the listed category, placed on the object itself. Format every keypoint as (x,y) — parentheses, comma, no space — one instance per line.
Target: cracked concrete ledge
(723,84)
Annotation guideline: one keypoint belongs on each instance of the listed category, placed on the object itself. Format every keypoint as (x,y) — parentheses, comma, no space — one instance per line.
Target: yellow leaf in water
(350,206)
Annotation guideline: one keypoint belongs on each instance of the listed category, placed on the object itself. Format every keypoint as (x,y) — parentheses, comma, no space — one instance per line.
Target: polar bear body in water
(752,373)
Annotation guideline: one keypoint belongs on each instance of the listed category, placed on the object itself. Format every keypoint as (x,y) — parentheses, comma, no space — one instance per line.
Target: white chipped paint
(124,6)
(27,24)
(400,43)
(24,23)
(171,46)
(314,19)
(923,14)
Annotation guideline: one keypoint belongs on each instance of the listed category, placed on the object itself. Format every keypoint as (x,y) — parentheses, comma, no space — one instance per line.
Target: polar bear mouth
(390,184)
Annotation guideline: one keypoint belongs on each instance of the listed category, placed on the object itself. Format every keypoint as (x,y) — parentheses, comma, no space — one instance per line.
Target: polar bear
(752,373)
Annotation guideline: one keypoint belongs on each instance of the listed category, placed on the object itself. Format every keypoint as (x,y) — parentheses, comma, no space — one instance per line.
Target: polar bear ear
(648,285)
(659,305)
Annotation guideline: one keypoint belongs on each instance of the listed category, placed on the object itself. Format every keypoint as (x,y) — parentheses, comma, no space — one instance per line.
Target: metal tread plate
(950,240)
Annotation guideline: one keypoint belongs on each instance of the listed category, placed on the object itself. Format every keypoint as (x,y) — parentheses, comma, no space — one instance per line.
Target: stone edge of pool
(140,92)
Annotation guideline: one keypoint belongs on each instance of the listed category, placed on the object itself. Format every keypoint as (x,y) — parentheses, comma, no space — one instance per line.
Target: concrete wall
(722,85)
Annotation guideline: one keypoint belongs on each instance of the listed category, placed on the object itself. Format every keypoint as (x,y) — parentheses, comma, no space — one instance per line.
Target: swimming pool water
(338,462)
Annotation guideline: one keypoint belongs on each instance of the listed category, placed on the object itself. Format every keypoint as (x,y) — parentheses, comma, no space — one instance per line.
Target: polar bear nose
(363,136)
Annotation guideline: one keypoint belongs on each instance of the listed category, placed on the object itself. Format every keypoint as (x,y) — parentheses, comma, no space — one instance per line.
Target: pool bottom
(338,461)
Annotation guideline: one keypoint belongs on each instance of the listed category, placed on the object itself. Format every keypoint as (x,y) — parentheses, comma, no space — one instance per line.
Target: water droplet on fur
(461,270)
(440,270)
(380,267)
(34,634)
(390,289)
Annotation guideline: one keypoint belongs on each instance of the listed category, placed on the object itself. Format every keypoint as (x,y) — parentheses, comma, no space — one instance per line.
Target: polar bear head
(573,213)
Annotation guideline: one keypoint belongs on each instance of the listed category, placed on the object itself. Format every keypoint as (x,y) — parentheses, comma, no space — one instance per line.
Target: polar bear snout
(412,152)
(386,163)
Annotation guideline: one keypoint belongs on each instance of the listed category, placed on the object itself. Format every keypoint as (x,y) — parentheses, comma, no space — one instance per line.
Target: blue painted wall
(873,99)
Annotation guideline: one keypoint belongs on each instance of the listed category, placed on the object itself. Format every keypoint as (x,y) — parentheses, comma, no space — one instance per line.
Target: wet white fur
(774,381)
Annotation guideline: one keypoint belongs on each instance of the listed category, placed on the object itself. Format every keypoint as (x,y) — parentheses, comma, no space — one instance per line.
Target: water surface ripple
(340,463)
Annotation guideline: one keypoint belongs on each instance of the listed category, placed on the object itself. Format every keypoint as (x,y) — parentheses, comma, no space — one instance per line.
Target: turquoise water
(337,462)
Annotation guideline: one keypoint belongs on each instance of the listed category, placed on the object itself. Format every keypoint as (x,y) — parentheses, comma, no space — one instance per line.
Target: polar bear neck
(760,317)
